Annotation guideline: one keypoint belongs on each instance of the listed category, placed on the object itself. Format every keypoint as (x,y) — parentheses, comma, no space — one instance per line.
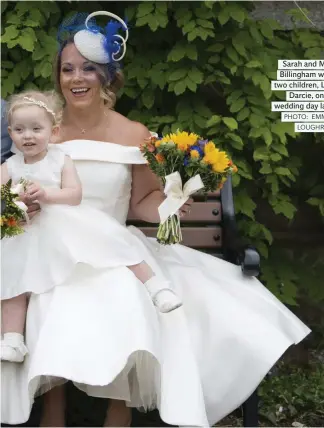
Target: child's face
(31,129)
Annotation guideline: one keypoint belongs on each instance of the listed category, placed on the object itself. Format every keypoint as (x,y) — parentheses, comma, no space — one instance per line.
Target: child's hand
(35,192)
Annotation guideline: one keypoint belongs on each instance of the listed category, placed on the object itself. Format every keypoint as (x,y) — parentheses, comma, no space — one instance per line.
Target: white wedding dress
(101,330)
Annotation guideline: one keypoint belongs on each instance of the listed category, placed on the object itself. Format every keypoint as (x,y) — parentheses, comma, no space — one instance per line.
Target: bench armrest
(245,256)
(249,259)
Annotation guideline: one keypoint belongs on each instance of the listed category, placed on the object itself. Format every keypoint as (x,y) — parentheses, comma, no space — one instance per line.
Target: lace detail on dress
(47,172)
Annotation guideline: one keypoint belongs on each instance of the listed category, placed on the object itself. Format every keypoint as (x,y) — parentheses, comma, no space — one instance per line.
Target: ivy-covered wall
(206,67)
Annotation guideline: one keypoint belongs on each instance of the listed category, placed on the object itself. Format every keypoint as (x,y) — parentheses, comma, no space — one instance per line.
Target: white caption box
(302,117)
(295,106)
(300,63)
(300,75)
(304,96)
(309,127)
(284,85)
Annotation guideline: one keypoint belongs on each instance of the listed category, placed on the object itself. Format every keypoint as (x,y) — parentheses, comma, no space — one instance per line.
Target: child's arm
(70,192)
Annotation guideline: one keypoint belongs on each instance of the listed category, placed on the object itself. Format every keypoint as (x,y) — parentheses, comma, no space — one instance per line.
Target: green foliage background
(206,67)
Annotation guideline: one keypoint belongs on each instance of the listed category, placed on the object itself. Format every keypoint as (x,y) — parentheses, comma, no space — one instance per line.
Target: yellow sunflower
(183,140)
(220,163)
(211,156)
(209,147)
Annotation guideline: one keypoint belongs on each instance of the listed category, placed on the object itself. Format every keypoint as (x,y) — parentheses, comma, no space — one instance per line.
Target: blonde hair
(111,82)
(49,101)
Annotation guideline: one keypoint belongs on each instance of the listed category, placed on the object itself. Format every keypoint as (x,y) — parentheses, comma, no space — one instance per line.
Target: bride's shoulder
(135,132)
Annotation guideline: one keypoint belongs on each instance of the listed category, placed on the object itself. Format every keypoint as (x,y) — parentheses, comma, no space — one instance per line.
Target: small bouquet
(13,211)
(180,158)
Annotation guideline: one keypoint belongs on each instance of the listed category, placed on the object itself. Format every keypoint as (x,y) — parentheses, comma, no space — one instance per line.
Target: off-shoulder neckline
(96,141)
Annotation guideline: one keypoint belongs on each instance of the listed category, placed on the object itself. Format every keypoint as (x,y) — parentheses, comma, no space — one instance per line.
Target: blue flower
(202,142)
(186,161)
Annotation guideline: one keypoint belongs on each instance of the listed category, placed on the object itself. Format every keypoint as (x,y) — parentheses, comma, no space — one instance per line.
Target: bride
(100,329)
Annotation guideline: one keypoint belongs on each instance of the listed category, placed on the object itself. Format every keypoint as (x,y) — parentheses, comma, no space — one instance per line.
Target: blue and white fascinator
(97,44)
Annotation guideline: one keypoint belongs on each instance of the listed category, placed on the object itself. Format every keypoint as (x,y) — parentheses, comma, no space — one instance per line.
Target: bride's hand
(186,208)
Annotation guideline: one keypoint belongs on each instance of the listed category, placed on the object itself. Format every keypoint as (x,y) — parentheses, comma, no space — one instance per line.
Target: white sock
(163,297)
(13,347)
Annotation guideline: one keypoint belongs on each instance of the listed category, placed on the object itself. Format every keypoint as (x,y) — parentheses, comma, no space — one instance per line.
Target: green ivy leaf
(214,120)
(230,122)
(282,171)
(180,87)
(275,157)
(235,95)
(280,148)
(223,16)
(188,27)
(256,36)
(274,183)
(237,13)
(266,168)
(266,30)
(244,204)
(232,54)
(144,9)
(266,133)
(177,53)
(10,33)
(253,64)
(217,47)
(46,69)
(191,85)
(237,105)
(148,98)
(191,52)
(39,53)
(214,59)
(195,75)
(285,208)
(205,23)
(243,114)
(13,19)
(178,74)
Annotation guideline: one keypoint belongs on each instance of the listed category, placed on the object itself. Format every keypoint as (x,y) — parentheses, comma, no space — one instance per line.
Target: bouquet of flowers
(13,211)
(186,158)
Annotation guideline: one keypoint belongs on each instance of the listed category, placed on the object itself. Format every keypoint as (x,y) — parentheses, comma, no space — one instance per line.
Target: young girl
(64,233)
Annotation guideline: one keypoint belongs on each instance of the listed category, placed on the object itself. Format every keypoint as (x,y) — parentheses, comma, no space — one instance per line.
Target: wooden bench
(211,228)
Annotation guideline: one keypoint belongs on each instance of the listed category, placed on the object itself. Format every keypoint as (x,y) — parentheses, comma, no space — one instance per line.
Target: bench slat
(195,237)
(201,212)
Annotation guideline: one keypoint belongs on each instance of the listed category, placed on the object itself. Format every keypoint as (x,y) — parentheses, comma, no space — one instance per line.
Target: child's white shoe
(13,348)
(165,299)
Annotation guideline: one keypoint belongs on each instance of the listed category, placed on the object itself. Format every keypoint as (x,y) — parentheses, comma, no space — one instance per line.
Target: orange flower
(11,222)
(230,163)
(157,143)
(160,158)
(235,169)
(194,154)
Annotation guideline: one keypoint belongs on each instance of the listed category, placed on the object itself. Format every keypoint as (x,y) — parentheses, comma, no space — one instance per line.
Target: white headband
(39,104)
(90,44)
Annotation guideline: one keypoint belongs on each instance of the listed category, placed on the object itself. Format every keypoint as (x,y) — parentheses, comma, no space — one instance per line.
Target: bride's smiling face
(79,80)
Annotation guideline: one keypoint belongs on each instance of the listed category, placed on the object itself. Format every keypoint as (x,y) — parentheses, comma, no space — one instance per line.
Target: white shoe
(165,299)
(13,348)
